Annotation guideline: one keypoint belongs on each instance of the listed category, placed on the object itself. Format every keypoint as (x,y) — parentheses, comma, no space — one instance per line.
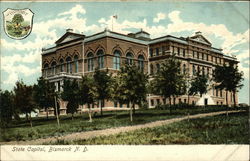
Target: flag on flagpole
(115,16)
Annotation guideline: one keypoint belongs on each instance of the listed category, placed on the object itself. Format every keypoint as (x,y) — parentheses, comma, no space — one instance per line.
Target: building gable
(69,36)
(200,38)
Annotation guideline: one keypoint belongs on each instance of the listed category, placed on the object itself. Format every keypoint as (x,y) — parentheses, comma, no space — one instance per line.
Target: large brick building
(75,55)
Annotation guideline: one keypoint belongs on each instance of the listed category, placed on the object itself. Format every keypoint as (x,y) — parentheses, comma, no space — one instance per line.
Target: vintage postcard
(124,80)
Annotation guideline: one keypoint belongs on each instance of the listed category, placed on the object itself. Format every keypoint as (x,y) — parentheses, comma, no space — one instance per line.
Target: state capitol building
(75,55)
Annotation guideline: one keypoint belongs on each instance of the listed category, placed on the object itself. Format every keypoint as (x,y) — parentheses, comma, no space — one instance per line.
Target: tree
(130,86)
(17,18)
(229,78)
(169,81)
(87,93)
(24,100)
(43,94)
(71,94)
(6,108)
(103,86)
(199,85)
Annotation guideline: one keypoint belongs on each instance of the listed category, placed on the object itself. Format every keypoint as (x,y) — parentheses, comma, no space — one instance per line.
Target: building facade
(75,55)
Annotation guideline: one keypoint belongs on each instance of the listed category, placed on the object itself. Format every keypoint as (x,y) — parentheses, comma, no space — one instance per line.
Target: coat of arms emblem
(18,22)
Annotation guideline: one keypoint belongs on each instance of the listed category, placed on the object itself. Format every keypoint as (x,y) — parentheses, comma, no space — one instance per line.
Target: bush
(33,134)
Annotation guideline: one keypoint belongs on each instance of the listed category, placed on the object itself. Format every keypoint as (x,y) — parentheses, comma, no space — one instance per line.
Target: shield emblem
(18,23)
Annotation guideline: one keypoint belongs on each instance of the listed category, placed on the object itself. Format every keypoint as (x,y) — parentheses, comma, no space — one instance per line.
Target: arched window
(184,69)
(76,63)
(100,55)
(116,59)
(199,70)
(203,71)
(61,65)
(141,62)
(129,57)
(90,57)
(69,65)
(158,67)
(151,69)
(53,68)
(46,66)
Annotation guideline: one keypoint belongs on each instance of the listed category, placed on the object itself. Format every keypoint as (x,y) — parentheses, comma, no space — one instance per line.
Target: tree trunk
(227,103)
(30,120)
(101,106)
(90,117)
(133,108)
(234,99)
(72,116)
(57,118)
(47,113)
(26,115)
(170,109)
(131,114)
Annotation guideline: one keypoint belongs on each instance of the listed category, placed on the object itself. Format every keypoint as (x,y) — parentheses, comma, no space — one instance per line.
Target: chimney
(69,30)
(198,33)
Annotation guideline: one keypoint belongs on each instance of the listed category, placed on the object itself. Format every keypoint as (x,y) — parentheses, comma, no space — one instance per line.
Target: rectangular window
(100,62)
(179,100)
(178,51)
(115,104)
(151,52)
(164,101)
(184,54)
(163,50)
(116,62)
(152,102)
(59,86)
(175,50)
(172,49)
(76,66)
(157,51)
(194,71)
(120,104)
(193,54)
(158,101)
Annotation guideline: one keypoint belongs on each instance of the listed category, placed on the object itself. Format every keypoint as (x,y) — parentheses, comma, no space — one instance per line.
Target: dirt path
(111,131)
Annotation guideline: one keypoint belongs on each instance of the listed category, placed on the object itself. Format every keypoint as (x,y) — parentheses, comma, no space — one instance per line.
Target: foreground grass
(43,128)
(220,129)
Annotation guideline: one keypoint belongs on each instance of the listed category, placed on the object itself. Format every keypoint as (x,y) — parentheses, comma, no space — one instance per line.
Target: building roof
(71,36)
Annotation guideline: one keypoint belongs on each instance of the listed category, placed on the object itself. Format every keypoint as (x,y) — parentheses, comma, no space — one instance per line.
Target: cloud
(220,31)
(160,16)
(16,64)
(243,57)
(74,11)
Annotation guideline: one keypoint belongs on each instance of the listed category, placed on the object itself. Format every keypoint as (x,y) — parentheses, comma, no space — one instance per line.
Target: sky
(224,24)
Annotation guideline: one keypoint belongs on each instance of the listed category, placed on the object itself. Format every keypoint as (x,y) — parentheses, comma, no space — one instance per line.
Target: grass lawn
(43,128)
(210,130)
